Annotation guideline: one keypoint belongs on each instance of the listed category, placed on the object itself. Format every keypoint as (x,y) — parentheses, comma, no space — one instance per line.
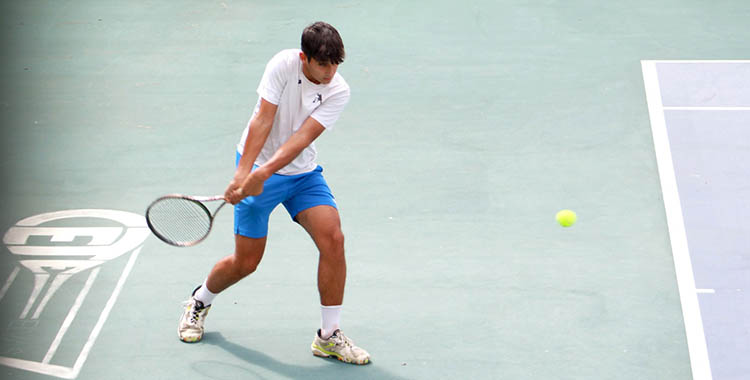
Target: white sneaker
(340,347)
(190,329)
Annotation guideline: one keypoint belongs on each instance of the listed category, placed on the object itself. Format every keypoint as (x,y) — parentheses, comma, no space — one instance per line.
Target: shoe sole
(321,354)
(189,340)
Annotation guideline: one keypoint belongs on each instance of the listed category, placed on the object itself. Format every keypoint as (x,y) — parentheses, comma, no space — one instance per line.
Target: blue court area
(705,108)
(470,125)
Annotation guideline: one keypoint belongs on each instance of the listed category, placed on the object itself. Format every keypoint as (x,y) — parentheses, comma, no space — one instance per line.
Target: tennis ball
(566,218)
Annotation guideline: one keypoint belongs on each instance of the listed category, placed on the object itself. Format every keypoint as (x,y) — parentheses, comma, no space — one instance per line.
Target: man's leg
(324,226)
(247,255)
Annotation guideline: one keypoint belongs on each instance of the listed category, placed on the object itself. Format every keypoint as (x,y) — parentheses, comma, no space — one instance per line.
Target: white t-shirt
(297,98)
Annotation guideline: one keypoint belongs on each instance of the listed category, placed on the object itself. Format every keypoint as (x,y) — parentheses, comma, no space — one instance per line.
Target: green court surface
(470,125)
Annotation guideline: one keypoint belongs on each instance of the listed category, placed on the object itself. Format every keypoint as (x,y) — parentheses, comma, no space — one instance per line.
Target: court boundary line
(105,313)
(706,291)
(696,338)
(698,61)
(691,108)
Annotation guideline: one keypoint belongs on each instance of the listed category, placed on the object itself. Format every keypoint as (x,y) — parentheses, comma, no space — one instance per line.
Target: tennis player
(300,96)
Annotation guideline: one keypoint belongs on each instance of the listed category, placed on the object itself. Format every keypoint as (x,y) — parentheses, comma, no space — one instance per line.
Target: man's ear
(302,57)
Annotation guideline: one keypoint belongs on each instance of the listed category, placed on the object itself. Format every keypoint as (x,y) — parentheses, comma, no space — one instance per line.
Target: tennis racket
(182,220)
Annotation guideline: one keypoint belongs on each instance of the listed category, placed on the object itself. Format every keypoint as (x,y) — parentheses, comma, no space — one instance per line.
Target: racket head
(180,220)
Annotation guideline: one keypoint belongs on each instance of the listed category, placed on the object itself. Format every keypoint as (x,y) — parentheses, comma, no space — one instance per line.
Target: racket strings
(179,221)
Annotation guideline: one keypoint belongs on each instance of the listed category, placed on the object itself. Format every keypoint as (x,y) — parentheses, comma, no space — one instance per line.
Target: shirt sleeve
(274,79)
(330,110)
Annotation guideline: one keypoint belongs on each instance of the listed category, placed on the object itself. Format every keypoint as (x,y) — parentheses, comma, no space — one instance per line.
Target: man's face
(316,72)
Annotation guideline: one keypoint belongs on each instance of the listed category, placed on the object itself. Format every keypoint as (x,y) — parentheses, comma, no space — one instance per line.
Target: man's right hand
(233,193)
(251,185)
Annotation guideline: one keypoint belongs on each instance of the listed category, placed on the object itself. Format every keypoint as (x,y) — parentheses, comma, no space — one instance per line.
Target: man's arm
(257,134)
(253,182)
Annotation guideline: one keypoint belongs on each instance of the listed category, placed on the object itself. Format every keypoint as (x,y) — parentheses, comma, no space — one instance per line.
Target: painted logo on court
(57,259)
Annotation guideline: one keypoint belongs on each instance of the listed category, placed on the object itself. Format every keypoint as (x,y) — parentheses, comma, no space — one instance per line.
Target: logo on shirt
(318,98)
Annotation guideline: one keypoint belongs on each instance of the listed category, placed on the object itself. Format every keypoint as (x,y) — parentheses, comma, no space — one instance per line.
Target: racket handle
(208,199)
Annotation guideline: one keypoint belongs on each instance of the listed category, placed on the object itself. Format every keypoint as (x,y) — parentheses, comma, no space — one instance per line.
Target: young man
(300,96)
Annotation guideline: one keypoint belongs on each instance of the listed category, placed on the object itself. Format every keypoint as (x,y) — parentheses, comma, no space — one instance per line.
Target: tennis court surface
(470,125)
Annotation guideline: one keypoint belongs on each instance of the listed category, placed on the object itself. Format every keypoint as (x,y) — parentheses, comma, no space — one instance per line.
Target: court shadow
(333,368)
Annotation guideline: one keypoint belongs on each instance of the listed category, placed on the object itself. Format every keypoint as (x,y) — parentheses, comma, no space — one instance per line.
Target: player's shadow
(333,369)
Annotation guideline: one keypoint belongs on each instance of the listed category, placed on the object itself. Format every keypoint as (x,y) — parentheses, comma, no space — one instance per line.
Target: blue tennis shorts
(296,192)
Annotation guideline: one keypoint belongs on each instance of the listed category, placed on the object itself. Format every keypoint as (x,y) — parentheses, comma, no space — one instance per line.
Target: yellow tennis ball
(566,218)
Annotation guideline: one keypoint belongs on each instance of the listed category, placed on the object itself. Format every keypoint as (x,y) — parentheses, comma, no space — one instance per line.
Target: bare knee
(247,255)
(244,266)
(332,245)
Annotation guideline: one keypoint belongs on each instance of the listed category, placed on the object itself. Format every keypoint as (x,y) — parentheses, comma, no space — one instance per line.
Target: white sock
(204,295)
(330,318)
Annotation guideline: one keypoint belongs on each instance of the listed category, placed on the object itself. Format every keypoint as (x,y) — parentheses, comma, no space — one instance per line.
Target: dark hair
(323,42)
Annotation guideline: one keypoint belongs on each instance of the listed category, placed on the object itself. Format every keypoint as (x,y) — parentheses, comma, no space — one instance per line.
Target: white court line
(691,313)
(705,291)
(71,316)
(105,313)
(706,108)
(701,61)
(9,282)
(72,373)
(45,369)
